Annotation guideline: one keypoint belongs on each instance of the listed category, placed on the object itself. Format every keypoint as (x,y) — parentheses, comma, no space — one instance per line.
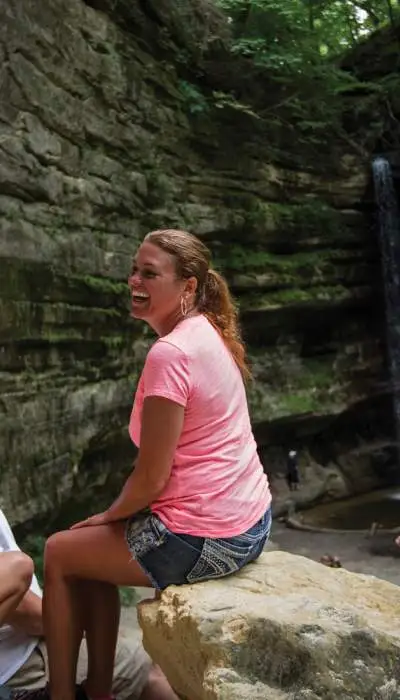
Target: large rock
(285,628)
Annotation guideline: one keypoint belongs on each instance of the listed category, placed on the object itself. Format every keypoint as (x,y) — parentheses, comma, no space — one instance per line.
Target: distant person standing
(292,471)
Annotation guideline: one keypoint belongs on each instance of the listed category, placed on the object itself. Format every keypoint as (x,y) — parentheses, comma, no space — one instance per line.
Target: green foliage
(223,100)
(198,103)
(294,41)
(34,547)
(193,98)
(284,34)
(128,596)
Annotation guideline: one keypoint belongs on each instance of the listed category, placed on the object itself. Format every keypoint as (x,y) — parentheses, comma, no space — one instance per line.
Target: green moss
(67,334)
(269,404)
(116,341)
(316,375)
(104,284)
(240,258)
(285,384)
(71,334)
(110,313)
(300,403)
(313,215)
(285,297)
(26,281)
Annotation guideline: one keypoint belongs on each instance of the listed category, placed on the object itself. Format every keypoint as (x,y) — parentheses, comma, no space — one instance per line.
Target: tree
(304,27)
(296,42)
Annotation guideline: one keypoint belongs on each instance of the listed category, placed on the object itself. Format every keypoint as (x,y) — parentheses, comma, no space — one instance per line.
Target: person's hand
(98,519)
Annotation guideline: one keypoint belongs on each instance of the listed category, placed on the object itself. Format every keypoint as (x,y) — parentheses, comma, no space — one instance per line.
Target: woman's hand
(98,519)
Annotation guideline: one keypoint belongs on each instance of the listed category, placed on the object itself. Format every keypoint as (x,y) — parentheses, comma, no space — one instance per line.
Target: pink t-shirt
(217,486)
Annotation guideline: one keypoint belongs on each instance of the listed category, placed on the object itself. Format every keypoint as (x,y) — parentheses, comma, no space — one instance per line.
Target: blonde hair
(213,298)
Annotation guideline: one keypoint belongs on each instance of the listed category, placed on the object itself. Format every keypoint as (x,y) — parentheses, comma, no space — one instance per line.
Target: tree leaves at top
(285,34)
(296,42)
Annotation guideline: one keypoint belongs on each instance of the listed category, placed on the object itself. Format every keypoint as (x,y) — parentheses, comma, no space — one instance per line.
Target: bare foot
(397,541)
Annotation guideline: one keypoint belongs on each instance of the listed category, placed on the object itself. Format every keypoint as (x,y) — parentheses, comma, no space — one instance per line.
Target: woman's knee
(55,551)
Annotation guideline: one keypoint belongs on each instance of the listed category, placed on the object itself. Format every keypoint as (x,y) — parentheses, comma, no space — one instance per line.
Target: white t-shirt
(15,646)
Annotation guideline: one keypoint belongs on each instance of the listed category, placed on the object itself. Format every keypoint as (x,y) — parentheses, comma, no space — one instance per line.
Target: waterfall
(389,236)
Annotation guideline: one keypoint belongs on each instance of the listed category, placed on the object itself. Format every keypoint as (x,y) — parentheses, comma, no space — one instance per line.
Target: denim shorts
(168,558)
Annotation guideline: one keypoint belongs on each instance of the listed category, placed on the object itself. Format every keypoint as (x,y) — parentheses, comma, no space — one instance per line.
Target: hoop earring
(184,306)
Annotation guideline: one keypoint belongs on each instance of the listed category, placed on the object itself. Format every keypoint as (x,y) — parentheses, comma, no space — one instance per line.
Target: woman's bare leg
(16,571)
(96,553)
(100,607)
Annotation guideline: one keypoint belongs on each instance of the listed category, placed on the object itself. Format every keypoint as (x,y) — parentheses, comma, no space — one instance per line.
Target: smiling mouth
(138,298)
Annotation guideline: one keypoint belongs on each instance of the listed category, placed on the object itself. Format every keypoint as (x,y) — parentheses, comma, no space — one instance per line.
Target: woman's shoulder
(165,350)
(190,333)
(186,342)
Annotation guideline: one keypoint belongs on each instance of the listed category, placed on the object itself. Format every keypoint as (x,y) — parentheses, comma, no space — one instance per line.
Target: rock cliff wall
(103,137)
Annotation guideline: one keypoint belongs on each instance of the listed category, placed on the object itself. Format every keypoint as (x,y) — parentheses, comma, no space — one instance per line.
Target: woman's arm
(162,422)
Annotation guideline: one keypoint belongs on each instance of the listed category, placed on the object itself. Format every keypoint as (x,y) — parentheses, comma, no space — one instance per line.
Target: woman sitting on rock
(197,505)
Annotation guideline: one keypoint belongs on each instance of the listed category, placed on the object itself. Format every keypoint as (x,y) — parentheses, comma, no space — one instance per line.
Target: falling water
(389,234)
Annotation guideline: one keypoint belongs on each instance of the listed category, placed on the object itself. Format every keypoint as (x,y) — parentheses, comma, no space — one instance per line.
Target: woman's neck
(169,324)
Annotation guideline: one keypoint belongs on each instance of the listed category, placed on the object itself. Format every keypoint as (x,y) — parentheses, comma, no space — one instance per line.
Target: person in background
(16,571)
(292,471)
(197,505)
(23,653)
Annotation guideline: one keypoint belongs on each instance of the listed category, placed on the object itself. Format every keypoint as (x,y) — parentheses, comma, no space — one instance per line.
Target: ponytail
(216,303)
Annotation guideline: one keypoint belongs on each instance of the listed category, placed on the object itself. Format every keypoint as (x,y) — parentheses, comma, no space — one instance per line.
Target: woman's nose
(133,279)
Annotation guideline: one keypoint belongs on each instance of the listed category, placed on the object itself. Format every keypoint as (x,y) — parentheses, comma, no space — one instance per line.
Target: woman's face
(155,290)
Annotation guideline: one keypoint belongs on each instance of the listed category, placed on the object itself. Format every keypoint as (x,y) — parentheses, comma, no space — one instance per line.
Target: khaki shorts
(131,669)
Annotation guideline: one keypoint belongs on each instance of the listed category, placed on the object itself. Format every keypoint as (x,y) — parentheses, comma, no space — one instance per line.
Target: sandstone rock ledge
(286,628)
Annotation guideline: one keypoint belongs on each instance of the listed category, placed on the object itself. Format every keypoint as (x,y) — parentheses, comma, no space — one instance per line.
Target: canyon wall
(104,135)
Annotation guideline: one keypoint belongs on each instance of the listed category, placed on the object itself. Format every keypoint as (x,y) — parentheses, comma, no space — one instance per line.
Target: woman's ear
(191,286)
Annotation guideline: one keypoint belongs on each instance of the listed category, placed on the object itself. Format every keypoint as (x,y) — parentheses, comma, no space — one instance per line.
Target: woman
(197,468)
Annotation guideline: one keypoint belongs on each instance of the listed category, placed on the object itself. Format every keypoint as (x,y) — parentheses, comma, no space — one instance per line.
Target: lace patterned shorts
(168,558)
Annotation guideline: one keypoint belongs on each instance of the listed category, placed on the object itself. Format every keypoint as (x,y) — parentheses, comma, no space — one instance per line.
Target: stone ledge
(285,628)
